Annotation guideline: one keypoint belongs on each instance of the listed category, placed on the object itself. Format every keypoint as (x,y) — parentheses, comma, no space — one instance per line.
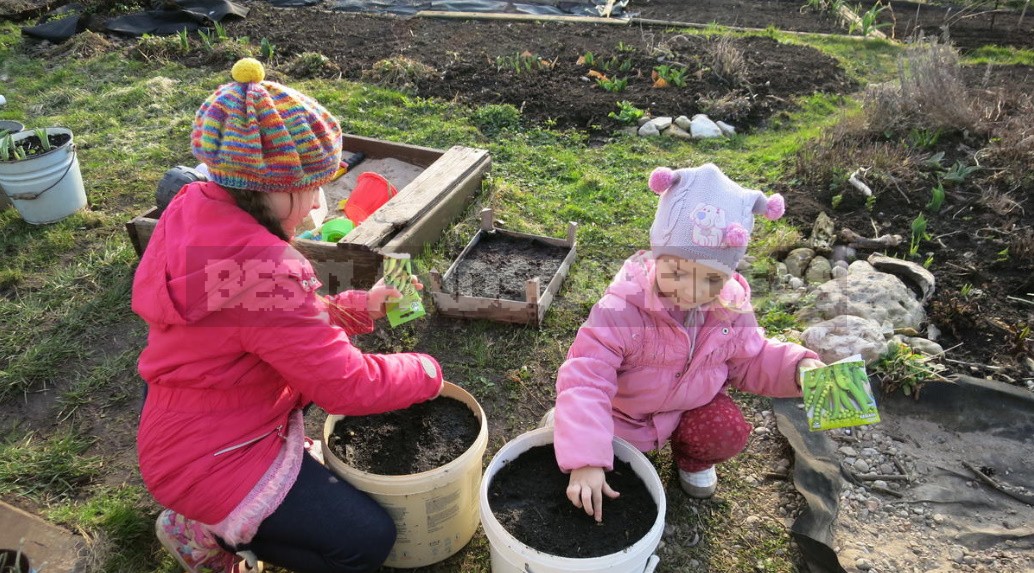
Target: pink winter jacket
(238,340)
(631,372)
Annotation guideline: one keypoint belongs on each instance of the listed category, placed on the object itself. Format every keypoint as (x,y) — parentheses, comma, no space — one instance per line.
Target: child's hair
(255,205)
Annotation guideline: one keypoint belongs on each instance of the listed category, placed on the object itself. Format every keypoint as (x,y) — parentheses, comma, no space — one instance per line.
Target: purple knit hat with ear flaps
(704,216)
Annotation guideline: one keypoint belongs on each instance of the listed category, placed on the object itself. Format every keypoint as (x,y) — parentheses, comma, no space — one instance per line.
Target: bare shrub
(1021,247)
(1011,148)
(727,107)
(929,93)
(399,72)
(312,65)
(829,160)
(728,62)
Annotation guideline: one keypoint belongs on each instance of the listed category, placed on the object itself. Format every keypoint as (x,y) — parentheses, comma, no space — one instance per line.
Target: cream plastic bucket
(44,188)
(511,556)
(435,512)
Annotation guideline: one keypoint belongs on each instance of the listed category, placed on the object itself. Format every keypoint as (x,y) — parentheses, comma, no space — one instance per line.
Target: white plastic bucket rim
(47,187)
(435,511)
(428,480)
(510,554)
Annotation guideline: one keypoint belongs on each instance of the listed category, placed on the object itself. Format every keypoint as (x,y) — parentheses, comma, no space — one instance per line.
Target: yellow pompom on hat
(264,136)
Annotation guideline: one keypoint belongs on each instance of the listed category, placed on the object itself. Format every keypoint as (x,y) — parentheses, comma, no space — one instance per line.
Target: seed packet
(397,272)
(838,395)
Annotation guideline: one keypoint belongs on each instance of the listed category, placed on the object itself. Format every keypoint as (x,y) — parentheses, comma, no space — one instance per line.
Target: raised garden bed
(434,188)
(504,275)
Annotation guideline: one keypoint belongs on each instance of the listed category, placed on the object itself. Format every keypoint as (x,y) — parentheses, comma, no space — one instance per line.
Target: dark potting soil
(498,266)
(417,439)
(528,498)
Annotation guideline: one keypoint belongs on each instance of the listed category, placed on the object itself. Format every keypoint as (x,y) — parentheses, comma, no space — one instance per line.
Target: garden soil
(527,496)
(417,439)
(498,266)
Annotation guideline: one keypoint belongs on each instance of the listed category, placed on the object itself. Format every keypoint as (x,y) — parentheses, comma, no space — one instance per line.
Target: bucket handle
(651,563)
(32,196)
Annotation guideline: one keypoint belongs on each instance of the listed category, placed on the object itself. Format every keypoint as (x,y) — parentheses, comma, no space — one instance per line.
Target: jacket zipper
(277,430)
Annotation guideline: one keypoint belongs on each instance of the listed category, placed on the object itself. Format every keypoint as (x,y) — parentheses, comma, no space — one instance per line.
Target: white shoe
(547,419)
(701,484)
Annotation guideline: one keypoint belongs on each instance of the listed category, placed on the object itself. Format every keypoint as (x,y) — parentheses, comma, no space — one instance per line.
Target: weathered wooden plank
(519,17)
(427,228)
(415,154)
(421,195)
(140,229)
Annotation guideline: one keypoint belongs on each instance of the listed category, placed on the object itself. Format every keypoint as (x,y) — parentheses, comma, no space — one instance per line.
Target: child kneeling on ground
(673,330)
(240,342)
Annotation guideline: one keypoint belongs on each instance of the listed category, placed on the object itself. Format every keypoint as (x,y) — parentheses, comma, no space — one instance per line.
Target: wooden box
(434,188)
(446,290)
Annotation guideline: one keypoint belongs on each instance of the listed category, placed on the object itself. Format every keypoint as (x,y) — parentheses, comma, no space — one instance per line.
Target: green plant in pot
(39,174)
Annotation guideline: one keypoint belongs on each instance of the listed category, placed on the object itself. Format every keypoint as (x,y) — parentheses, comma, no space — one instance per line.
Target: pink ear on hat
(736,236)
(662,179)
(732,295)
(775,207)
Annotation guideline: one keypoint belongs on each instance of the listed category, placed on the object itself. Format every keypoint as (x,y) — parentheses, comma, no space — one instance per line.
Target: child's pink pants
(710,434)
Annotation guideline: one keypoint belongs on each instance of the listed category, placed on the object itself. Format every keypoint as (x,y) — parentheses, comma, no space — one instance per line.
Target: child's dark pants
(709,434)
(325,525)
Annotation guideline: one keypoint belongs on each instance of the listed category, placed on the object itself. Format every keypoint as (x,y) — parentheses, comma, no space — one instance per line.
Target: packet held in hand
(838,395)
(397,272)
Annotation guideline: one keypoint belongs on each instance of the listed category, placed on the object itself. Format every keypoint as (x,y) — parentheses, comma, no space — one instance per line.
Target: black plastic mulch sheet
(190,15)
(410,7)
(952,428)
(58,25)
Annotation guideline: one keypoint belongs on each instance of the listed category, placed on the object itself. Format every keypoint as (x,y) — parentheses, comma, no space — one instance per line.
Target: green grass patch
(999,56)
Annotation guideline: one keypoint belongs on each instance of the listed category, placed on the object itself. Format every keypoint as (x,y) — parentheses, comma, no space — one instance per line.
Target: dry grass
(400,73)
(727,62)
(930,93)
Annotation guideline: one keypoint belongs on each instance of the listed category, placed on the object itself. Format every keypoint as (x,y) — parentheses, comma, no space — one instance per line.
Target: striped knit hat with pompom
(704,216)
(264,136)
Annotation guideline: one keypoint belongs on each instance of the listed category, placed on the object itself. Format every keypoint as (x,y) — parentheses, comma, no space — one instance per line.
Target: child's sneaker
(701,484)
(192,545)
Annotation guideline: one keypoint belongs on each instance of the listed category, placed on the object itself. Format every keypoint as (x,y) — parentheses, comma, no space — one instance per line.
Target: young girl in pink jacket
(673,330)
(239,343)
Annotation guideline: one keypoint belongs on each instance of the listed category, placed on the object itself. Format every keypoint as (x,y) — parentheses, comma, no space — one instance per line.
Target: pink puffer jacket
(630,371)
(238,340)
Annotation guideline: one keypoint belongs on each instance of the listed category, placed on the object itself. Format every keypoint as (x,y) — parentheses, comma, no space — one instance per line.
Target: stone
(702,127)
(727,130)
(648,129)
(819,271)
(823,233)
(676,132)
(874,296)
(797,261)
(844,336)
(683,122)
(914,275)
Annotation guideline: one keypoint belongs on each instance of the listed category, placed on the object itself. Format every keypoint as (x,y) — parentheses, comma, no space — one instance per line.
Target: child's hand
(586,489)
(381,294)
(807,364)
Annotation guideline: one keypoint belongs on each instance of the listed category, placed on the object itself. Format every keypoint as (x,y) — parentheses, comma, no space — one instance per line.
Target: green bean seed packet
(398,271)
(839,395)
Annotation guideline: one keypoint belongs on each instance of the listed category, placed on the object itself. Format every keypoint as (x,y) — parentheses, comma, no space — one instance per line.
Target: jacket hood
(635,284)
(204,255)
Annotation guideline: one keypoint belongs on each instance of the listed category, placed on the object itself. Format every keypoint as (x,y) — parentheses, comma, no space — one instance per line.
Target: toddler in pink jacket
(673,330)
(240,342)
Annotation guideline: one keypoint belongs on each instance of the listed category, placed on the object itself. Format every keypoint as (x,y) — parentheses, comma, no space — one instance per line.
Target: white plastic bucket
(435,512)
(511,556)
(44,188)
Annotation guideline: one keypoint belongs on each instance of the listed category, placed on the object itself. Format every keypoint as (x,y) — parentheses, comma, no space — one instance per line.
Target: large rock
(877,296)
(845,336)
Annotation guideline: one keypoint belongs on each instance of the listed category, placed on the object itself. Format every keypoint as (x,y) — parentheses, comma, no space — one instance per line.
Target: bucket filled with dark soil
(531,525)
(422,464)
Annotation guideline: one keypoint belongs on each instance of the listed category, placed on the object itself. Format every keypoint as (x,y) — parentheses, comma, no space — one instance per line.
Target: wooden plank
(519,17)
(420,196)
(415,154)
(140,229)
(428,228)
(341,266)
